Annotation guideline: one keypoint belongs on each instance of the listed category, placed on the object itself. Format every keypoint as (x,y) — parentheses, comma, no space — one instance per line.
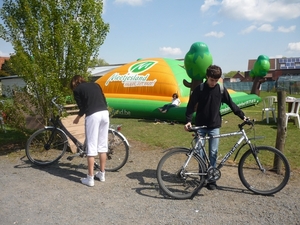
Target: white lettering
(131,80)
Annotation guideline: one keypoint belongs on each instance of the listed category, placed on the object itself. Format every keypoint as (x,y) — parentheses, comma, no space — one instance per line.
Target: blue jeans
(168,106)
(213,144)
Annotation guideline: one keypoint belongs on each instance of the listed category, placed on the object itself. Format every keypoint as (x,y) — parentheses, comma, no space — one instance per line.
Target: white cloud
(265,28)
(132,2)
(286,30)
(170,51)
(207,4)
(256,10)
(215,23)
(249,29)
(294,46)
(215,34)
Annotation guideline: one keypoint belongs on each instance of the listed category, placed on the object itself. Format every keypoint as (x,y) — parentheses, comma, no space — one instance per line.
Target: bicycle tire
(267,182)
(37,150)
(175,181)
(118,151)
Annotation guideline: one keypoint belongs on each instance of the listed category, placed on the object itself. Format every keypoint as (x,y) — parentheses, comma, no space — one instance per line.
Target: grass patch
(12,139)
(163,135)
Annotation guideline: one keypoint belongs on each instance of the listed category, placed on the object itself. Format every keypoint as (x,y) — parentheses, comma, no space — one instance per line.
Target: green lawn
(163,135)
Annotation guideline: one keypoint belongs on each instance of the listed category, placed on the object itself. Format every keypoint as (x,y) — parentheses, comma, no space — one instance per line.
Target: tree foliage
(7,69)
(98,62)
(53,41)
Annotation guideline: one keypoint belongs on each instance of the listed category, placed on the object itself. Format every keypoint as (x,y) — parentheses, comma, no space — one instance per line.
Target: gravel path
(54,195)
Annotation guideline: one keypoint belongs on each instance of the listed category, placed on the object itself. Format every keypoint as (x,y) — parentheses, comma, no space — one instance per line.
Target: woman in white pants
(92,103)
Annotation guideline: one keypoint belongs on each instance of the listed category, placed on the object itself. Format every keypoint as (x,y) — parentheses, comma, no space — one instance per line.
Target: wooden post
(281,128)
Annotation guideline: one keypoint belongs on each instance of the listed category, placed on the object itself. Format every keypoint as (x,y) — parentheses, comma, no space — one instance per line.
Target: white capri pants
(96,132)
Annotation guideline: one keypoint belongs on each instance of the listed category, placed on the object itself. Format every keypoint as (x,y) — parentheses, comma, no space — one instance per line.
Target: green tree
(98,62)
(53,41)
(7,68)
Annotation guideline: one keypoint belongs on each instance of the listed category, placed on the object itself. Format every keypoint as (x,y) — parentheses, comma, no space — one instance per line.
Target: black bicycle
(49,144)
(182,172)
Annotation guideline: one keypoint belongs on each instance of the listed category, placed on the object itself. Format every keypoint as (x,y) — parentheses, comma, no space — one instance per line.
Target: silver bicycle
(182,172)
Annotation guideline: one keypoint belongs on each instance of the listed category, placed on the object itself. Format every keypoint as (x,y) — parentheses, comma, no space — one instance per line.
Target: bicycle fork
(254,153)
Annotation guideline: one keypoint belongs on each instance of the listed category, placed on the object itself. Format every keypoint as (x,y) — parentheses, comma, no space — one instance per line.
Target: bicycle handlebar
(246,122)
(60,107)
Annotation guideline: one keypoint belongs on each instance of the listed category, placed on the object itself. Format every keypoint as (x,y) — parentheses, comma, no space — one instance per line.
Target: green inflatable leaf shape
(261,66)
(196,61)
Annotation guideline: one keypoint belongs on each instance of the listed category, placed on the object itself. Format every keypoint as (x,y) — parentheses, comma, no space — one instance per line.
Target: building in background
(2,60)
(278,67)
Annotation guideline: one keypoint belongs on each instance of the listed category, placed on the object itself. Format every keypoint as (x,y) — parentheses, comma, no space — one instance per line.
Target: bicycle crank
(213,174)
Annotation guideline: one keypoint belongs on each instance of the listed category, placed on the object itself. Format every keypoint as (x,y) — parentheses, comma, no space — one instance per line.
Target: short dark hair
(175,94)
(214,72)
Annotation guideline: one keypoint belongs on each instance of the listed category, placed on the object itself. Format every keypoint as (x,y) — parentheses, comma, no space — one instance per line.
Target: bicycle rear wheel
(273,177)
(46,146)
(175,179)
(118,151)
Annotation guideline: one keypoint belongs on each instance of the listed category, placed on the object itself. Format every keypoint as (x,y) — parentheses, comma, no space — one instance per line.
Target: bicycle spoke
(176,181)
(118,151)
(46,146)
(268,178)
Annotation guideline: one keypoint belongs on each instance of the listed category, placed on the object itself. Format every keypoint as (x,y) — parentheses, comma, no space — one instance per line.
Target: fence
(247,86)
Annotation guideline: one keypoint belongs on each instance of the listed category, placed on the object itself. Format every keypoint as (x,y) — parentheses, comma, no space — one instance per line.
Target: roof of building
(2,60)
(99,71)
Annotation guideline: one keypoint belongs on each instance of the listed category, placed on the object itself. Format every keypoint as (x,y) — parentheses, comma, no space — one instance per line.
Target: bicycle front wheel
(264,172)
(178,177)
(118,151)
(46,146)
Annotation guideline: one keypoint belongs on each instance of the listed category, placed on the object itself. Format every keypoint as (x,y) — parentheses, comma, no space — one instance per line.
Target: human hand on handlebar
(246,118)
(187,126)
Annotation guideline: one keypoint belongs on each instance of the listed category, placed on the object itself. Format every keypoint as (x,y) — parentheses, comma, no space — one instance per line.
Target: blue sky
(234,30)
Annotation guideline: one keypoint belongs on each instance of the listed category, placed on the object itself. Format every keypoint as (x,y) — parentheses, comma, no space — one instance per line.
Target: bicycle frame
(200,145)
(57,124)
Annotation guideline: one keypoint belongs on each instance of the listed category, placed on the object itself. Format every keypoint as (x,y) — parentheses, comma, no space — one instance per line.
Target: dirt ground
(54,195)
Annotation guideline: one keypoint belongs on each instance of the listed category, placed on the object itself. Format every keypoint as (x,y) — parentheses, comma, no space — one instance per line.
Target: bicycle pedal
(70,158)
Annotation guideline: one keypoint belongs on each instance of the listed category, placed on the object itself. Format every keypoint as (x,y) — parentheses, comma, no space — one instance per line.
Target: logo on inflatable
(141,66)
(134,78)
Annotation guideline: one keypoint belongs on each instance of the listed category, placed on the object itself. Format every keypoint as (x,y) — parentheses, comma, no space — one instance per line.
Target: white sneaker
(101,175)
(89,181)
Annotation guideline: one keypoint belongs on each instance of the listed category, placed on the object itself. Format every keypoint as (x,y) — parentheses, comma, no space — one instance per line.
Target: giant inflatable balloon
(261,66)
(260,69)
(196,61)
(139,88)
